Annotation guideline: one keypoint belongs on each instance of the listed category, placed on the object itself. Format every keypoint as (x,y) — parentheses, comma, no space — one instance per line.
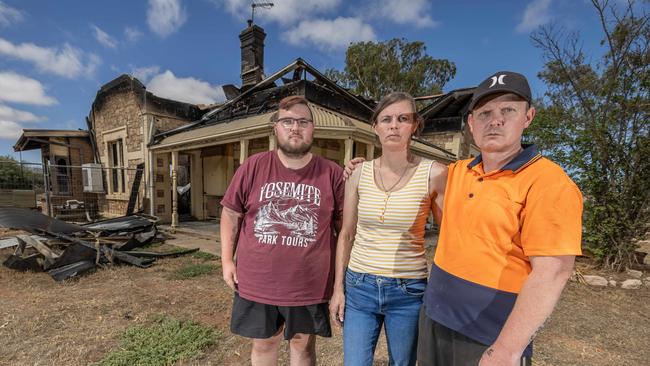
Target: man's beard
(294,151)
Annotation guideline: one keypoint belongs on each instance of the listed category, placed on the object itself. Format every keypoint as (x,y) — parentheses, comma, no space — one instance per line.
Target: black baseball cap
(502,82)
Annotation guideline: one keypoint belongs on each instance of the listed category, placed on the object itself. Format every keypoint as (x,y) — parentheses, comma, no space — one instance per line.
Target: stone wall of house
(466,142)
(114,207)
(164,123)
(444,140)
(456,142)
(119,116)
(81,152)
(119,109)
(123,110)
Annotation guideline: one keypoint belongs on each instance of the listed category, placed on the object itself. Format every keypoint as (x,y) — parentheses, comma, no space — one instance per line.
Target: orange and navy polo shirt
(492,223)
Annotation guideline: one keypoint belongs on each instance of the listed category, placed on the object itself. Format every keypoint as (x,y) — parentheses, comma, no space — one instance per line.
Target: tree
(15,176)
(374,69)
(594,122)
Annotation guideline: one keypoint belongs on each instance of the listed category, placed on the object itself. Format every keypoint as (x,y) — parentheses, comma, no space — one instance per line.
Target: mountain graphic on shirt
(300,220)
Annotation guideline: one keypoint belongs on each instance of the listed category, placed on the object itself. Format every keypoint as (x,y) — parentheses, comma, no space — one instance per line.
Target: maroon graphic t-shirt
(286,245)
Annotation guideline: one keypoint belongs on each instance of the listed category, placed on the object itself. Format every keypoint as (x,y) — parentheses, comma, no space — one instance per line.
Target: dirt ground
(77,322)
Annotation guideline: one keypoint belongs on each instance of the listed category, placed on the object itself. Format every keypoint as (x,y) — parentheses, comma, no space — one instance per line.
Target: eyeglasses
(288,122)
(401,118)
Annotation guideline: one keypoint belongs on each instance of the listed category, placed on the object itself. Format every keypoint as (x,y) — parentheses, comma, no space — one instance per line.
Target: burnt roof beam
(298,64)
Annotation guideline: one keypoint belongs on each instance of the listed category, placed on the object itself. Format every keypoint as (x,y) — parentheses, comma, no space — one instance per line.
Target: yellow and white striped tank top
(392,245)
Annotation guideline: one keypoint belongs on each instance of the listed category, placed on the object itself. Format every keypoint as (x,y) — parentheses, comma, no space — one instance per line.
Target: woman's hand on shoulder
(351,166)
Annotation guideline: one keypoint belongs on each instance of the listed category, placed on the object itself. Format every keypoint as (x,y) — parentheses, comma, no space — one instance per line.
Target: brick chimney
(252,55)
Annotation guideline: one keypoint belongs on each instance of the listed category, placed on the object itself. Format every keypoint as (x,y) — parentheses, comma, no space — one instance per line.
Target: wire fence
(71,193)
(21,175)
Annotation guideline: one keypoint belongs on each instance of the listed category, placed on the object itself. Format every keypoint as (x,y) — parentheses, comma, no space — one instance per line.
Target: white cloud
(188,90)
(132,34)
(10,121)
(10,130)
(410,12)
(535,15)
(17,88)
(103,37)
(165,16)
(285,12)
(10,114)
(71,124)
(9,15)
(330,34)
(144,74)
(67,61)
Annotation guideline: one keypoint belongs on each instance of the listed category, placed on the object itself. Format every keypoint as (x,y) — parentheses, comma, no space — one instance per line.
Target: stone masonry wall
(118,110)
(442,139)
(465,143)
(165,123)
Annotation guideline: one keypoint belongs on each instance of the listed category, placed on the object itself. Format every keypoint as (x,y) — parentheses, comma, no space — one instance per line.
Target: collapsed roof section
(447,112)
(263,98)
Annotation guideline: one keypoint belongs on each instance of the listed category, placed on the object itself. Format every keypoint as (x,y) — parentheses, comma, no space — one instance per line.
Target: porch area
(192,169)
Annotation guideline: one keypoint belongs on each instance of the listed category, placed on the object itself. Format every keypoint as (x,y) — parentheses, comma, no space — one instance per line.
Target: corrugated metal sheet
(327,118)
(26,219)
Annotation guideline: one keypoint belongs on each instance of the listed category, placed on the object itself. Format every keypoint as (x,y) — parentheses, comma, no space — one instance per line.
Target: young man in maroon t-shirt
(284,209)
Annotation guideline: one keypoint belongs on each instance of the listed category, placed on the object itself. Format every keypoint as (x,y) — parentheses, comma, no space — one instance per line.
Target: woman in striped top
(381,269)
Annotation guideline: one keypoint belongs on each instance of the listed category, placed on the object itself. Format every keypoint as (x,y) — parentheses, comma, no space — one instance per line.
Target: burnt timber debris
(66,250)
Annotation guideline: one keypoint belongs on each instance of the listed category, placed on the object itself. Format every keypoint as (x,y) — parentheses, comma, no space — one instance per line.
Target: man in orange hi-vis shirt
(510,231)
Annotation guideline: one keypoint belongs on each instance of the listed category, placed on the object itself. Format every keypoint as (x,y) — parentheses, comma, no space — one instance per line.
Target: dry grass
(79,322)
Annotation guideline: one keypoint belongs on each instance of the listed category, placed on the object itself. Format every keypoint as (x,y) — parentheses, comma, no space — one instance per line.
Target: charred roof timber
(447,112)
(265,95)
(67,250)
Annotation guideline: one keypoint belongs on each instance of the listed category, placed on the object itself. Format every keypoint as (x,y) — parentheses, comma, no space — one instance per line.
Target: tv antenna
(257,5)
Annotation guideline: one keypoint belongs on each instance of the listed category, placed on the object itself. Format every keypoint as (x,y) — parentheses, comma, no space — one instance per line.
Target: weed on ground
(191,270)
(162,343)
(205,256)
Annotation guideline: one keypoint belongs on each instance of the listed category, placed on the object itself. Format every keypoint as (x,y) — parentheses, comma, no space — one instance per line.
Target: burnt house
(204,154)
(191,152)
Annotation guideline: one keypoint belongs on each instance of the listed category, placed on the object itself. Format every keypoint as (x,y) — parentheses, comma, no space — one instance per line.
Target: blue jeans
(372,301)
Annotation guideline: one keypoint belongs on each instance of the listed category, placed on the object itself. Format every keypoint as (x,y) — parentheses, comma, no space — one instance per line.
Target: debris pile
(67,250)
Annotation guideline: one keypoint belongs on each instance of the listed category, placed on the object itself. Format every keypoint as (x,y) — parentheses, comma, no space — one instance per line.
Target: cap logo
(497,80)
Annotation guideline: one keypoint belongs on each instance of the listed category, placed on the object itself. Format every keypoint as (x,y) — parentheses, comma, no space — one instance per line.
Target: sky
(55,55)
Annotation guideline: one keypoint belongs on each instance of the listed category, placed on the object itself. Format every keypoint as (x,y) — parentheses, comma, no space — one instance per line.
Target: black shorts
(441,346)
(255,320)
